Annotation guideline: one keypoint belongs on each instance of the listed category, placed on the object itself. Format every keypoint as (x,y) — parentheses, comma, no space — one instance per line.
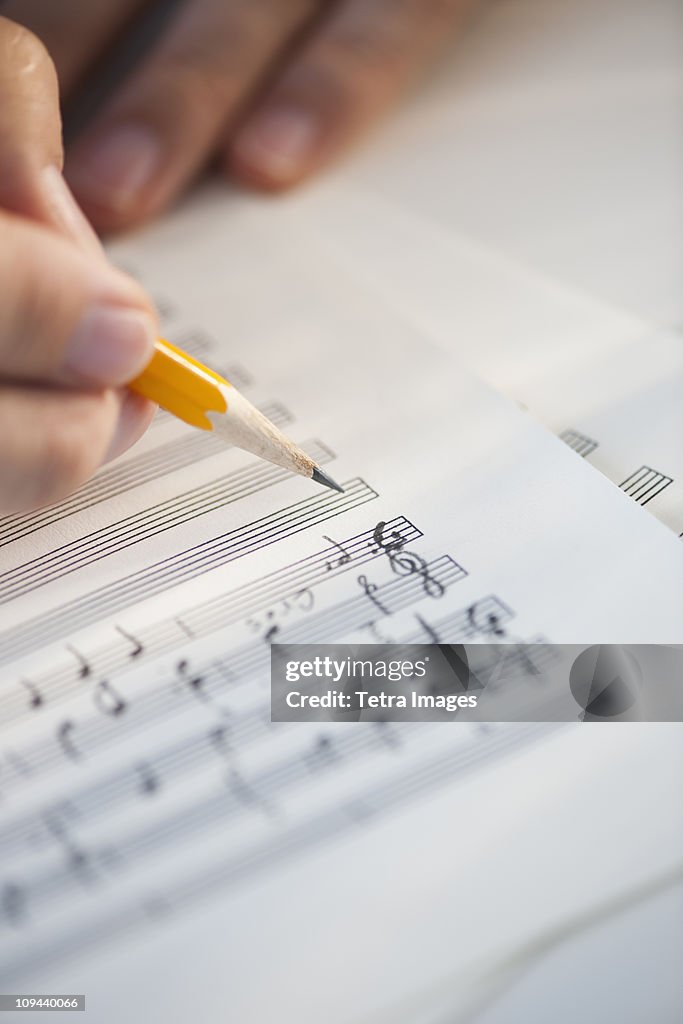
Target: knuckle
(385,32)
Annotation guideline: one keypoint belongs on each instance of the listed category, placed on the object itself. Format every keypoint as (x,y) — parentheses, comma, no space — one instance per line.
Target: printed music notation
(115,714)
(194,703)
(108,601)
(139,770)
(122,477)
(645,484)
(578,442)
(23,579)
(275,595)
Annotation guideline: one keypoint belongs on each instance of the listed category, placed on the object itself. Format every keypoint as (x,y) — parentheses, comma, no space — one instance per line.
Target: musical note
(370,591)
(305,600)
(149,780)
(136,644)
(344,559)
(272,630)
(193,681)
(107,700)
(185,628)
(77,859)
(379,636)
(84,669)
(35,696)
(13,903)
(64,732)
(491,624)
(432,635)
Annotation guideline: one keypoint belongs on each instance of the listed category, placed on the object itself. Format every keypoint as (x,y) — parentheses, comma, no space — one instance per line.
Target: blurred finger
(160,129)
(31,183)
(74,32)
(66,318)
(53,441)
(353,67)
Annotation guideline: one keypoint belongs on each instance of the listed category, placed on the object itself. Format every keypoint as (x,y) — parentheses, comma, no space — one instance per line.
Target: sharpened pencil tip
(325,480)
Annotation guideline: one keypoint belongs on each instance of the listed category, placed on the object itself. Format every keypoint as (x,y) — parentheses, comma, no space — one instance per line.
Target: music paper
(606,382)
(152,815)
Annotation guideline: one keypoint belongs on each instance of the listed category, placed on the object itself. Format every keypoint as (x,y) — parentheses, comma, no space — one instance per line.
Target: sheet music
(607,382)
(147,801)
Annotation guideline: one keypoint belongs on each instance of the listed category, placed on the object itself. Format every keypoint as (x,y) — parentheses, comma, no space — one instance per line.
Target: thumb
(66,318)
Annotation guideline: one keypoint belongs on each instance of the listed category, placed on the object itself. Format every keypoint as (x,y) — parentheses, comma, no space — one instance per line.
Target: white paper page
(608,383)
(143,784)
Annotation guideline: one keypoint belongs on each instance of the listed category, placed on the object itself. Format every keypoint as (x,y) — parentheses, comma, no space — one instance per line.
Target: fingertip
(278,147)
(114,172)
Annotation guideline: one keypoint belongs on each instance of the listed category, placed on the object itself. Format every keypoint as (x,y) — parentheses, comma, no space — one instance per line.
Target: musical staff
(645,484)
(387,599)
(140,770)
(122,477)
(108,601)
(208,682)
(486,618)
(384,792)
(93,547)
(200,620)
(198,343)
(578,442)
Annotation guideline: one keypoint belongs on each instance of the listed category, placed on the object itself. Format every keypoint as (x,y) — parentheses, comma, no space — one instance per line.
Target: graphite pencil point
(325,480)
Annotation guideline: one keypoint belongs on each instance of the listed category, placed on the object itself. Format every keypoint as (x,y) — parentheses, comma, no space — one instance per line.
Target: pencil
(204,399)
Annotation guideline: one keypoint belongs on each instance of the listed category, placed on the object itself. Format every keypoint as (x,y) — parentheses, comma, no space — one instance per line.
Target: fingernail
(111,169)
(66,214)
(110,345)
(279,141)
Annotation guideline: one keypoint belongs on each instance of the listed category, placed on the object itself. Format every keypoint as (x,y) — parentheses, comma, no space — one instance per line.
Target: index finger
(31,154)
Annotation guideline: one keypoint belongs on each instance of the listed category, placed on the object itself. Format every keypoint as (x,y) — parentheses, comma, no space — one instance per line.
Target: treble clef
(406,563)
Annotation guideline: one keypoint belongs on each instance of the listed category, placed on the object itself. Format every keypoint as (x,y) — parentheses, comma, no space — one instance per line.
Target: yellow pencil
(204,399)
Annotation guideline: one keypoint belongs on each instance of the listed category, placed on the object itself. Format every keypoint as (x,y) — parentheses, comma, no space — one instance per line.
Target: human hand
(274,88)
(72,328)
